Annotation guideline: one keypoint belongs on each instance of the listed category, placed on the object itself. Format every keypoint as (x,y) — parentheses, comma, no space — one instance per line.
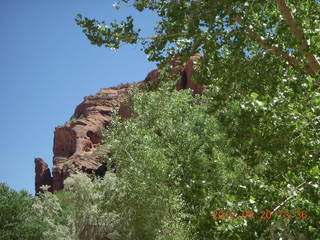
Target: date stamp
(263,215)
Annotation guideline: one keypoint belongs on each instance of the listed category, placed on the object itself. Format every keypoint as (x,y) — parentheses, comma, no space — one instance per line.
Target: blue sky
(47,66)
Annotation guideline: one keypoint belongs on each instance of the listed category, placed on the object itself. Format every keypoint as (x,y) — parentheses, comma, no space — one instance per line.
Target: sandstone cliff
(75,141)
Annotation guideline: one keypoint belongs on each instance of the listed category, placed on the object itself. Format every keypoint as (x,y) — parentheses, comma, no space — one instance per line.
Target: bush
(83,210)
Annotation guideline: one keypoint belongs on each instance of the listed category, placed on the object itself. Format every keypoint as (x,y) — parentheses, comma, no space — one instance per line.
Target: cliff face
(75,141)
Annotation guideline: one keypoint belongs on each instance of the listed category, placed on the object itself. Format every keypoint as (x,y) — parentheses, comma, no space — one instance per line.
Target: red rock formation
(75,141)
(153,77)
(43,175)
(186,76)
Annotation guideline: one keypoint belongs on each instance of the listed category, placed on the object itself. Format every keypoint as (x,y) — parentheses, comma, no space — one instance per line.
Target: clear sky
(47,66)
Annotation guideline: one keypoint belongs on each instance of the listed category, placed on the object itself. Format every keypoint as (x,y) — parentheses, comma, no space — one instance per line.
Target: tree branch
(273,49)
(298,188)
(313,63)
(159,36)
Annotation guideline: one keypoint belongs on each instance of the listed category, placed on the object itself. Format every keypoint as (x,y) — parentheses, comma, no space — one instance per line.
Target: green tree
(179,162)
(16,218)
(223,30)
(260,60)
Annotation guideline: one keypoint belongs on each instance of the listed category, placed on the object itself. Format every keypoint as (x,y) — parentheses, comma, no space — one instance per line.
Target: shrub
(81,211)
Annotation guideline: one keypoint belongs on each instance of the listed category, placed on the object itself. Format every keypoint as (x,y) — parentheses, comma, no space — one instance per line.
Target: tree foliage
(252,137)
(241,161)
(83,210)
(16,218)
(181,161)
(225,31)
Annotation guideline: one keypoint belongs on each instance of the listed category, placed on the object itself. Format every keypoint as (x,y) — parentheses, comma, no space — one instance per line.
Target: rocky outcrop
(75,142)
(186,77)
(43,175)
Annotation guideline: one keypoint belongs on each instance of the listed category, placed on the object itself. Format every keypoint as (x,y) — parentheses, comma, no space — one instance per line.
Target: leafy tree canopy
(260,60)
(179,162)
(16,218)
(228,31)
